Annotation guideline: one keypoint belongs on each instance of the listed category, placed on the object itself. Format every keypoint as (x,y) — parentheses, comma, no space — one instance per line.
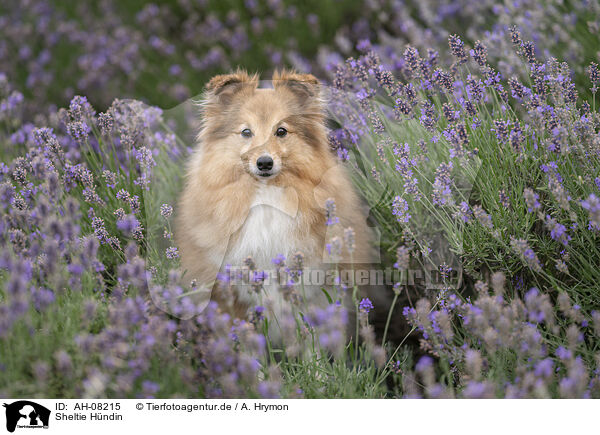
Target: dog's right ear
(217,103)
(222,88)
(220,82)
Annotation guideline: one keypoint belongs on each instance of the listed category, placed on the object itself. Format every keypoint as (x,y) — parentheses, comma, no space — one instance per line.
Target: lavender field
(470,128)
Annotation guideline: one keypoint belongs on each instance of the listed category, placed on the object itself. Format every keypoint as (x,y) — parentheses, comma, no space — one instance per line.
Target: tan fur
(220,189)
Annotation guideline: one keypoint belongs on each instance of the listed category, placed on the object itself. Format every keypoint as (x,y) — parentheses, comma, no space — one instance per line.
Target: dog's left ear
(303,86)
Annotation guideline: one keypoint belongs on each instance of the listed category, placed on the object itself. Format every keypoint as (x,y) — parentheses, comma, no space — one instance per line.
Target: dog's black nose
(264,163)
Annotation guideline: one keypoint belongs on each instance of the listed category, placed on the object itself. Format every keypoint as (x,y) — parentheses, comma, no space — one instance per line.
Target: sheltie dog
(262,183)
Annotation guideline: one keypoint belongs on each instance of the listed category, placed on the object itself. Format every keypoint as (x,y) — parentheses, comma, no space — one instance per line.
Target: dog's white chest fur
(269,229)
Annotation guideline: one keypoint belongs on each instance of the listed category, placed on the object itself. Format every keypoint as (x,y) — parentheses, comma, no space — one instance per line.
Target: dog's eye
(281,132)
(247,132)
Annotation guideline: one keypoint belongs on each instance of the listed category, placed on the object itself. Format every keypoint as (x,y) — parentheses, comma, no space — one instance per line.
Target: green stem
(389,317)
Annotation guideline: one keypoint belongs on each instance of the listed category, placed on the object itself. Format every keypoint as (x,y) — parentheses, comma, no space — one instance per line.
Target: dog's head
(265,133)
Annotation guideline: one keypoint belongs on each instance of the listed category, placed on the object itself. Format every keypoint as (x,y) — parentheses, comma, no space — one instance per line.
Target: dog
(262,182)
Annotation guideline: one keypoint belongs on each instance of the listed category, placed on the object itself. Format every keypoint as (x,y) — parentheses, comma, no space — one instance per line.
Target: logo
(26,414)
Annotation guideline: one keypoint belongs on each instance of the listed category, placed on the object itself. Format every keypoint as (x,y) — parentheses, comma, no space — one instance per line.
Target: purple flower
(80,109)
(442,193)
(424,363)
(592,205)
(478,390)
(331,218)
(105,122)
(412,60)
(365,305)
(128,224)
(172,253)
(475,89)
(144,156)
(166,211)
(594,74)
(400,209)
(544,368)
(531,199)
(521,247)
(479,53)
(501,130)
(457,47)
(484,218)
(256,316)
(279,260)
(465,212)
(563,353)
(558,231)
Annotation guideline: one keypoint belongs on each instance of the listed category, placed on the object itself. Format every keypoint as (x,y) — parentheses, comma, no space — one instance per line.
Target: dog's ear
(219,83)
(223,87)
(303,86)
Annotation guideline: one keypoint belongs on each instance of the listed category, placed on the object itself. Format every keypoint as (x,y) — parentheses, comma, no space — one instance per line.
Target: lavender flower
(557,231)
(483,218)
(334,248)
(400,209)
(592,205)
(166,211)
(457,48)
(442,193)
(331,218)
(594,74)
(521,247)
(479,53)
(501,130)
(402,258)
(531,199)
(105,122)
(465,212)
(349,239)
(365,305)
(128,224)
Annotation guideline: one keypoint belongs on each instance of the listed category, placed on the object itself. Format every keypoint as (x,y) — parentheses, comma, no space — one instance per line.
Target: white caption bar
(149,416)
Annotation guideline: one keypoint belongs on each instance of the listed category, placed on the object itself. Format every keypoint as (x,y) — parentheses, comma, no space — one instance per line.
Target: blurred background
(164,52)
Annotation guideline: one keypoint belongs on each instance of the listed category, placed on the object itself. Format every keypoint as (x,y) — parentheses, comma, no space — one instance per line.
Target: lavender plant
(529,151)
